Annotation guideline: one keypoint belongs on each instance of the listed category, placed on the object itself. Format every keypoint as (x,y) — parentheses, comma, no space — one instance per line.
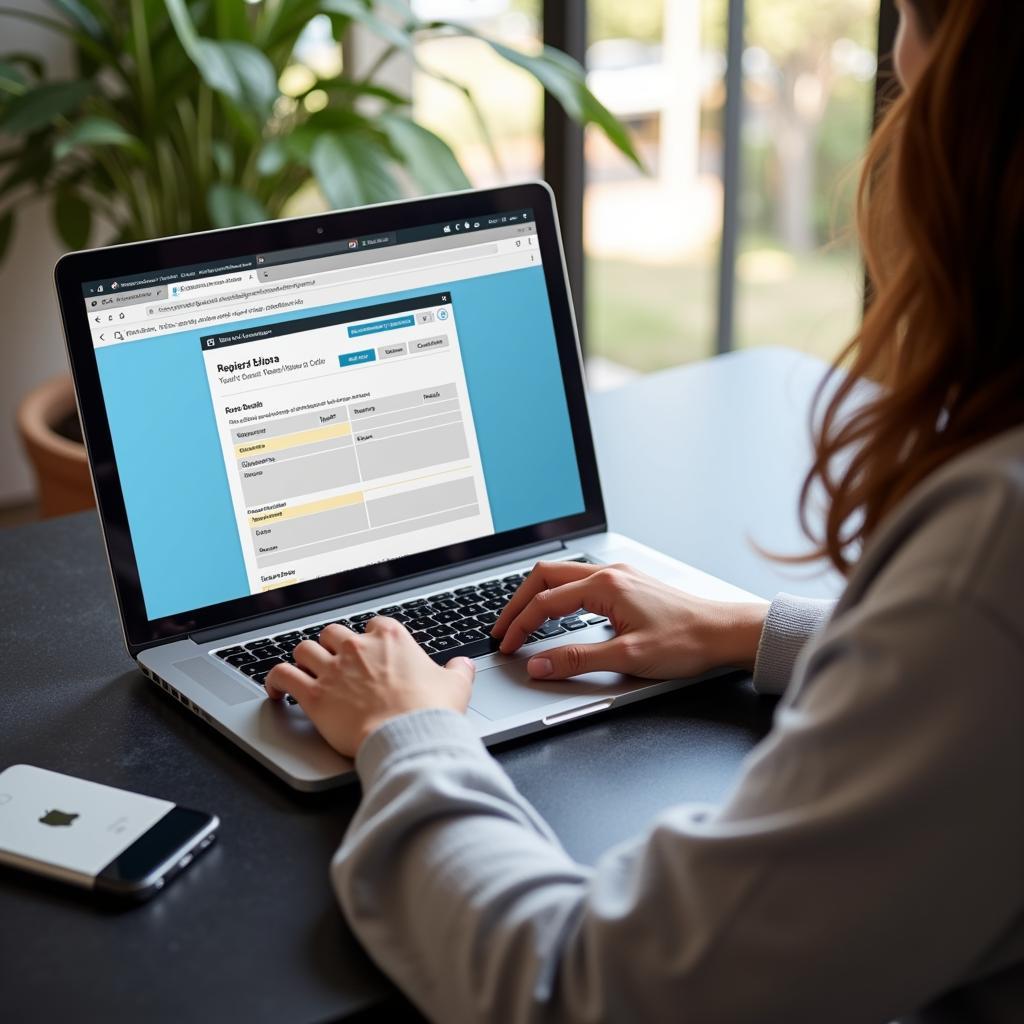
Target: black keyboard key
(445,604)
(494,604)
(363,617)
(391,609)
(487,620)
(311,631)
(424,622)
(230,652)
(574,624)
(472,609)
(470,635)
(549,629)
(338,622)
(436,632)
(444,643)
(418,603)
(289,645)
(295,635)
(257,643)
(422,638)
(405,617)
(244,658)
(291,700)
(464,623)
(594,620)
(260,677)
(476,649)
(465,590)
(270,651)
(358,627)
(467,600)
(490,585)
(447,616)
(515,579)
(445,595)
(255,667)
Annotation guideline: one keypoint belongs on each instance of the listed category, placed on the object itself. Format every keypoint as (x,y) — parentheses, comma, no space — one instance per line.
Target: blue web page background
(172,471)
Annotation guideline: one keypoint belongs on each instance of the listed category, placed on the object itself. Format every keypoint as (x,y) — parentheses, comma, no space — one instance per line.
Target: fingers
(548,604)
(575,659)
(463,667)
(312,656)
(334,637)
(545,575)
(287,679)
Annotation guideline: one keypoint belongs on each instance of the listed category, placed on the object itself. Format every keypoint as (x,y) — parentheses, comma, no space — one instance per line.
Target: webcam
(319,229)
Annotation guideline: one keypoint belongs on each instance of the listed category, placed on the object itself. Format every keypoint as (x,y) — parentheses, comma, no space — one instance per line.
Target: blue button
(367,355)
(376,326)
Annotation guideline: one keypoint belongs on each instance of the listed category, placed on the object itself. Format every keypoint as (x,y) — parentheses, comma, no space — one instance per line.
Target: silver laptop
(377,411)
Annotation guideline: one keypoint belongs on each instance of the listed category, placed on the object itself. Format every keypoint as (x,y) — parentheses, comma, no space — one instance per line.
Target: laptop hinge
(204,636)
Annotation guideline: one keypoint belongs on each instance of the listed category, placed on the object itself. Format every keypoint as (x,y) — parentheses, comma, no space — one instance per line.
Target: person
(869,863)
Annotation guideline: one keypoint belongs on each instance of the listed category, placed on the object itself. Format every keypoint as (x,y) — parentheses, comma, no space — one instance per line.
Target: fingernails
(539,668)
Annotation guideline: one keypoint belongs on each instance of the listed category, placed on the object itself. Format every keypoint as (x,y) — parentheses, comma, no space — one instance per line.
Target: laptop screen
(293,414)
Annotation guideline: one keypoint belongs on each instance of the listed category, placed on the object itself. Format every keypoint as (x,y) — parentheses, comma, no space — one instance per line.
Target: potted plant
(176,120)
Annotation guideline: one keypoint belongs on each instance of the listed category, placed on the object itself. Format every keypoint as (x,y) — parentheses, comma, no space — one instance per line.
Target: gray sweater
(868,865)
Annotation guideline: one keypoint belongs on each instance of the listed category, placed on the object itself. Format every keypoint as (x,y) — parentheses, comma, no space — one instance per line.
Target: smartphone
(94,836)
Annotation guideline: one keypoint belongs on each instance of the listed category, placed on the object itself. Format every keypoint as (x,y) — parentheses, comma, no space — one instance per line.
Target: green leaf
(6,231)
(352,170)
(78,13)
(223,158)
(566,81)
(237,70)
(357,10)
(96,131)
(73,219)
(229,206)
(425,155)
(11,79)
(272,157)
(37,108)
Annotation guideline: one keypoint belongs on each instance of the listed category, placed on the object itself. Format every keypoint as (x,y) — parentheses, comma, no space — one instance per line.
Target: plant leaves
(352,170)
(223,158)
(272,157)
(359,11)
(72,216)
(425,155)
(78,13)
(37,108)
(228,206)
(566,80)
(96,131)
(11,79)
(6,231)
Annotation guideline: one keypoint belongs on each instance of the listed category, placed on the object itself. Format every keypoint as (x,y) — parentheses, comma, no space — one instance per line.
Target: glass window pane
(809,71)
(652,240)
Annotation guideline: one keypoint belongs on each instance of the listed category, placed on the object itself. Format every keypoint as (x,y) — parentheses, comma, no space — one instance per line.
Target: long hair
(940,215)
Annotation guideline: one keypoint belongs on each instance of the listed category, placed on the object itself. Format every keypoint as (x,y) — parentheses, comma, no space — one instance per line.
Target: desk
(693,461)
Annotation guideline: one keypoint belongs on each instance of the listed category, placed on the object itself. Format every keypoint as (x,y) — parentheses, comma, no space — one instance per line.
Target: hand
(662,633)
(350,684)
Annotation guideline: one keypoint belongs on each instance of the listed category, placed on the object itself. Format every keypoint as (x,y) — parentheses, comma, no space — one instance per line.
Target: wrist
(739,634)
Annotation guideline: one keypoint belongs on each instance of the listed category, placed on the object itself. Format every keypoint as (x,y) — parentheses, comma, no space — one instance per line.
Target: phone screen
(68,822)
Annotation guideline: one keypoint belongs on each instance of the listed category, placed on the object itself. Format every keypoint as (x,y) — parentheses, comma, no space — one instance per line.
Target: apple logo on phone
(57,818)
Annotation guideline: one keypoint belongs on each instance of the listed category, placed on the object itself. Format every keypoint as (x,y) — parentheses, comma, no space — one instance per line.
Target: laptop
(378,411)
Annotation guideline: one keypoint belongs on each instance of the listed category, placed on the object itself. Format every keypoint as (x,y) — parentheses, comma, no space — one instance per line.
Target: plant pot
(50,430)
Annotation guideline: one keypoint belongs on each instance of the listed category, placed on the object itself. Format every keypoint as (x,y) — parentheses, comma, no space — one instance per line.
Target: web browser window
(299,413)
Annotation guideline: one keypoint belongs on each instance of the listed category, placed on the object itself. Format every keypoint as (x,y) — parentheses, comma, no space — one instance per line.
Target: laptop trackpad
(507,689)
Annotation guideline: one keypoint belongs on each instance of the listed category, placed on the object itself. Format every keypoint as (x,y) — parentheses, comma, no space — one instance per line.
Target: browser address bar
(330,278)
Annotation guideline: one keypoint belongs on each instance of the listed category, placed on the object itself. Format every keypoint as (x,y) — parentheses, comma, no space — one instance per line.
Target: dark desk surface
(252,930)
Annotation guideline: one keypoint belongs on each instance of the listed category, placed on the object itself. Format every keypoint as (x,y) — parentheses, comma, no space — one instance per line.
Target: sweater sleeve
(804,897)
(790,623)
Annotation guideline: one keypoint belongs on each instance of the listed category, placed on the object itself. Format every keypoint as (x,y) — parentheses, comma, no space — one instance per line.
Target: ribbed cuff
(790,623)
(427,729)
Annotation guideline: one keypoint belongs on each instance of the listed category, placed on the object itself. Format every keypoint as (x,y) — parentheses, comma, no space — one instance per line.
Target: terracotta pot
(59,461)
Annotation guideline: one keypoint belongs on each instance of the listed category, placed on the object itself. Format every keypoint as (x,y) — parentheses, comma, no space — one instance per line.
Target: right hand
(661,632)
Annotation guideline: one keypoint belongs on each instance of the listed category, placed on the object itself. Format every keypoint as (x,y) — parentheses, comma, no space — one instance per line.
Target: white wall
(31,342)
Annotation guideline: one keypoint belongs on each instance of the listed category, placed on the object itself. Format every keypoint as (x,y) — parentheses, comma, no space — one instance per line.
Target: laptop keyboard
(451,624)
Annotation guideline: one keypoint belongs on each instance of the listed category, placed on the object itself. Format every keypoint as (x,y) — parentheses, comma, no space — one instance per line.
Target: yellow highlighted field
(277,585)
(310,508)
(276,444)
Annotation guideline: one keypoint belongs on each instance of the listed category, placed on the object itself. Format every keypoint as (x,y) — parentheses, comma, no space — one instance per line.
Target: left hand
(350,684)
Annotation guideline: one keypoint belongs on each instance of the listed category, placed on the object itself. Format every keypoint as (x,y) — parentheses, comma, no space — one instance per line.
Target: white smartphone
(94,836)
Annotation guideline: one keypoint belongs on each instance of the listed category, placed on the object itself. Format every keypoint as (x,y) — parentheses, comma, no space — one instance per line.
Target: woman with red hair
(869,864)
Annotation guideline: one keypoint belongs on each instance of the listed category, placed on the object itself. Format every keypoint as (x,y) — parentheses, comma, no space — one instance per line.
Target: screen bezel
(75,268)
